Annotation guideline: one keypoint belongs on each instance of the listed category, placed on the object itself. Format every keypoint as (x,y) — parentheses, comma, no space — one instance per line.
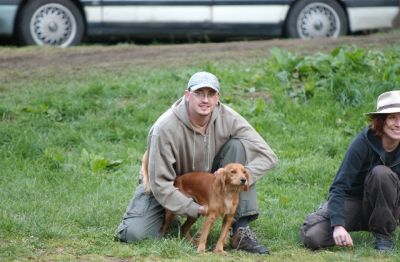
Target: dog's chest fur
(228,203)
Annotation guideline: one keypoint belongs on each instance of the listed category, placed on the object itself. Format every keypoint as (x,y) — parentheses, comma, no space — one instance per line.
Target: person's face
(391,127)
(202,101)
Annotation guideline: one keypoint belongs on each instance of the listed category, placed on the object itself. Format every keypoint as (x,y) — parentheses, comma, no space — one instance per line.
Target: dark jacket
(365,152)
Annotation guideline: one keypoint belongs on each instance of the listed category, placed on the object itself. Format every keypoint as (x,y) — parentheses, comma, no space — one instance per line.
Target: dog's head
(235,175)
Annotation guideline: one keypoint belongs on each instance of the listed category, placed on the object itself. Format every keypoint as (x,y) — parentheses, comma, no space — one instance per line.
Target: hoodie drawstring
(208,151)
(194,148)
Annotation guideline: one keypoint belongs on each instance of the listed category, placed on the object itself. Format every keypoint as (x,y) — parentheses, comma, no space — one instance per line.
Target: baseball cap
(203,79)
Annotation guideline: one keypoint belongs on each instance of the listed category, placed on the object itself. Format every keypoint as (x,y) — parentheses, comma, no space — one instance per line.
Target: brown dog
(219,194)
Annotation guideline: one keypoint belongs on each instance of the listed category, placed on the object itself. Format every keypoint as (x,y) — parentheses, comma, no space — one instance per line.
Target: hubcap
(318,20)
(53,24)
(53,27)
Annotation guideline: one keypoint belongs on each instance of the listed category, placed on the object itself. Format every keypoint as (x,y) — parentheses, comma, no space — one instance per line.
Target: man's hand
(342,237)
(203,210)
(217,172)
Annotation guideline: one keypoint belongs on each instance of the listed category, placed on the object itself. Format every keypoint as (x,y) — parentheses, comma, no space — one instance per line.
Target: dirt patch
(27,59)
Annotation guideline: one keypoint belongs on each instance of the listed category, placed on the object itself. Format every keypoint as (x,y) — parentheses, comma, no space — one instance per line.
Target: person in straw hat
(364,195)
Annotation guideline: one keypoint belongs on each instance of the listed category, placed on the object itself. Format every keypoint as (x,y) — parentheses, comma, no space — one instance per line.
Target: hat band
(388,106)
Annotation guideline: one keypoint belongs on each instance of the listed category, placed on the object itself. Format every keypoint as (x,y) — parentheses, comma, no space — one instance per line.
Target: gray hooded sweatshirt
(175,148)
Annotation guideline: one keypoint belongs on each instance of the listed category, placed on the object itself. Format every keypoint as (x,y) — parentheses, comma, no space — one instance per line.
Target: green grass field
(70,150)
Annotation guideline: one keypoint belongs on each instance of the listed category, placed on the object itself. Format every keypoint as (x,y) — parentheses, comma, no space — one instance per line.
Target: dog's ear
(247,184)
(220,179)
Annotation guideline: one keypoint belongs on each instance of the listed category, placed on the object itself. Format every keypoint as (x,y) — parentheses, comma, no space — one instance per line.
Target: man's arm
(162,176)
(260,157)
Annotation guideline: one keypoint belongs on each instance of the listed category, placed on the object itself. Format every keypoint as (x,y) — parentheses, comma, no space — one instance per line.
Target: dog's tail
(146,183)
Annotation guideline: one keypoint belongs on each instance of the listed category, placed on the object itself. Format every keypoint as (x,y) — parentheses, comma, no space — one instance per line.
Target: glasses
(203,95)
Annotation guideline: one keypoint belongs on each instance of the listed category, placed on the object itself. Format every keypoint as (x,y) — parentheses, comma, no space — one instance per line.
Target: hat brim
(194,88)
(385,111)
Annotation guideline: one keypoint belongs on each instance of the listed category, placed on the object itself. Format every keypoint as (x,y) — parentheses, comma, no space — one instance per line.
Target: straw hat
(388,102)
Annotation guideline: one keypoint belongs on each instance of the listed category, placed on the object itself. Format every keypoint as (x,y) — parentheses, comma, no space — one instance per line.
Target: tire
(316,18)
(50,22)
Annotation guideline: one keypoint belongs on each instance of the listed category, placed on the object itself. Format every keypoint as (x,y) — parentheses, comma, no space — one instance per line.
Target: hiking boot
(245,239)
(383,243)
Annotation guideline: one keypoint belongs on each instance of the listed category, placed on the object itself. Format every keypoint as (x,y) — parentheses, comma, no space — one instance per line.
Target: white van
(67,22)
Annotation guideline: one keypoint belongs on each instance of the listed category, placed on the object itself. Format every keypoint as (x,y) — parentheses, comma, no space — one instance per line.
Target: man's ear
(186,94)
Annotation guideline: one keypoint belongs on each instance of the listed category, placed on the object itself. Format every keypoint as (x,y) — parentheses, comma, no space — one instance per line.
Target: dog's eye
(233,171)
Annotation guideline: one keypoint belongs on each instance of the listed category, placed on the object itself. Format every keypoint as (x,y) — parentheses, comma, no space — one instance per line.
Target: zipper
(383,162)
(395,164)
(206,153)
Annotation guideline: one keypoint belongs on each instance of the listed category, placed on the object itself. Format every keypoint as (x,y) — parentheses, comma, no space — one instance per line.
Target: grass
(70,149)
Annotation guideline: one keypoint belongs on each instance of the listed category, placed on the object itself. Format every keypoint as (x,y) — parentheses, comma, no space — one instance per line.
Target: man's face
(202,101)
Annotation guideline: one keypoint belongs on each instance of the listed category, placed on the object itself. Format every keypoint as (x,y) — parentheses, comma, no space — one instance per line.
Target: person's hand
(342,237)
(202,210)
(217,172)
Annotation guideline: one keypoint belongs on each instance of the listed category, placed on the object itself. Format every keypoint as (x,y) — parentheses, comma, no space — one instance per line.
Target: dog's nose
(243,181)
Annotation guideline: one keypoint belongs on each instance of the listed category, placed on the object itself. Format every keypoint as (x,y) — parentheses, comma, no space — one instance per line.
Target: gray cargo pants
(378,211)
(144,215)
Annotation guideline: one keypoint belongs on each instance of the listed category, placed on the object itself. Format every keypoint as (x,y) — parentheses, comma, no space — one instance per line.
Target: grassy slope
(70,147)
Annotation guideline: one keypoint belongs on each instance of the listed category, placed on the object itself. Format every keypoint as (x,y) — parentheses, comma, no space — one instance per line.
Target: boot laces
(246,233)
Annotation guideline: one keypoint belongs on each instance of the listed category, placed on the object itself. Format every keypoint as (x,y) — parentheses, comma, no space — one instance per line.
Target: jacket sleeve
(345,179)
(259,155)
(162,176)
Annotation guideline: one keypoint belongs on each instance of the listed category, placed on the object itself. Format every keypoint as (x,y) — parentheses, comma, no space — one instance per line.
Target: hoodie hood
(375,142)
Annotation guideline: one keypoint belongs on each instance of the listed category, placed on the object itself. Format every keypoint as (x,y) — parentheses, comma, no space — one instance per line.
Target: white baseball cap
(203,79)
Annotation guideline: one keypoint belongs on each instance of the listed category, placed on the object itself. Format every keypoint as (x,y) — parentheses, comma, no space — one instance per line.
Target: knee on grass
(133,234)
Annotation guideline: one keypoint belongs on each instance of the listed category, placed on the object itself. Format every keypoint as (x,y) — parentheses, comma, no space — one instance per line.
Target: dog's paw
(220,251)
(201,248)
(206,210)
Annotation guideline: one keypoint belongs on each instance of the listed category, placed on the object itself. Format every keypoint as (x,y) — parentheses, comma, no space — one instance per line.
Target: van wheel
(50,22)
(316,18)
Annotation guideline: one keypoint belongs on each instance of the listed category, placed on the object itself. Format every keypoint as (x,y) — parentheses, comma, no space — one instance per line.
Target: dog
(219,194)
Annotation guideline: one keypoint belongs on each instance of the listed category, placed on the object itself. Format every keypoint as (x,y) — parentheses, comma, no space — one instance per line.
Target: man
(365,194)
(198,133)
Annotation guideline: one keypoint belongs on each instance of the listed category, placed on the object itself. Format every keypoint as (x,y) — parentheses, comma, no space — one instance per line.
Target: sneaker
(383,243)
(245,239)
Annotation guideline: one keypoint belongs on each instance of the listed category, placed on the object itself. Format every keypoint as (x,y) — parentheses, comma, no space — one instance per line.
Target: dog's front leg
(168,217)
(205,231)
(226,225)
